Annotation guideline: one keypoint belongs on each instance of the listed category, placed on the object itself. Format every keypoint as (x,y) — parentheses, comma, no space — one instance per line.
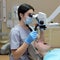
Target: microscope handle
(36,27)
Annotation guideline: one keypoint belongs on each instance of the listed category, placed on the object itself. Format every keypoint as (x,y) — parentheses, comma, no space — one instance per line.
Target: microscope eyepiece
(41,22)
(31,15)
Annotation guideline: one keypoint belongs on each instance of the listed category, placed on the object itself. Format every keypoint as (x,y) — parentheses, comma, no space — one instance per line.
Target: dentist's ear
(21,15)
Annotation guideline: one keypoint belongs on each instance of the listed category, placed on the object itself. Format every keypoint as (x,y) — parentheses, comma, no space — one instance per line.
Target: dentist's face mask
(28,20)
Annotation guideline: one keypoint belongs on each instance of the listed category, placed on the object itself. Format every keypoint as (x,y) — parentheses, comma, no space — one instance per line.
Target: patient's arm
(41,36)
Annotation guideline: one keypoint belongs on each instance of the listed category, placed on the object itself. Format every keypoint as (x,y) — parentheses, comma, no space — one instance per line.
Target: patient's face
(42,48)
(41,45)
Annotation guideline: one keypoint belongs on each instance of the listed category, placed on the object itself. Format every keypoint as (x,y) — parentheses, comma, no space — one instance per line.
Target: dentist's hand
(31,37)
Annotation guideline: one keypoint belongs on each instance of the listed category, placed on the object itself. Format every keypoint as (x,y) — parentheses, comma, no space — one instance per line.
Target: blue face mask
(28,20)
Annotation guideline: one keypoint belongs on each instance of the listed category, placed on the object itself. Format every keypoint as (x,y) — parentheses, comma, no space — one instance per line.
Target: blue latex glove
(31,37)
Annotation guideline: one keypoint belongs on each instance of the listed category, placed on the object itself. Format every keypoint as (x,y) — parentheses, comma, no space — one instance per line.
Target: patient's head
(42,48)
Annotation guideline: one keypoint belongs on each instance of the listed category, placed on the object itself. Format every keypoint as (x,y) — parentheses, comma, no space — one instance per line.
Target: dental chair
(5,49)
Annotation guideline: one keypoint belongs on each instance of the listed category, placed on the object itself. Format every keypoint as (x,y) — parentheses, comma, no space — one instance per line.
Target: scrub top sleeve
(14,39)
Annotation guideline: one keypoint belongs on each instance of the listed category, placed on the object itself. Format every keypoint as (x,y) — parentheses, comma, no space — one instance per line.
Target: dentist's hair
(23,8)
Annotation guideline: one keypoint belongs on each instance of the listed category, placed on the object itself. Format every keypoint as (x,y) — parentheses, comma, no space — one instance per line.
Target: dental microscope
(41,20)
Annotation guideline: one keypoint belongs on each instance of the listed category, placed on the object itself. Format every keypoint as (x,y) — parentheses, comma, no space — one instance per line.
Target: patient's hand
(42,48)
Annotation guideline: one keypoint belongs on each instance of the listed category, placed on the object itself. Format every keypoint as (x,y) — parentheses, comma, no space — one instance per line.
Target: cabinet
(52,36)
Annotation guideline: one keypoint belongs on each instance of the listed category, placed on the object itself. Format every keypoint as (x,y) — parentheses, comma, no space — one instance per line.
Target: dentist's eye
(31,14)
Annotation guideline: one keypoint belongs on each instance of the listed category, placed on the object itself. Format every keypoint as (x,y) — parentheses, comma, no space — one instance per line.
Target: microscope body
(41,19)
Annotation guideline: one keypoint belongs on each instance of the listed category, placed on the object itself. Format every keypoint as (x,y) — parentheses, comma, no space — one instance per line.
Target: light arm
(54,14)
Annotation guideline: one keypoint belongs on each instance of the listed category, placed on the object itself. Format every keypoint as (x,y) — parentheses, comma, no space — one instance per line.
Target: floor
(4,57)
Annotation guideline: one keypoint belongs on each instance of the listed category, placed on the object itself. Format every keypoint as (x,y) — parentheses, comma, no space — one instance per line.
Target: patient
(44,50)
